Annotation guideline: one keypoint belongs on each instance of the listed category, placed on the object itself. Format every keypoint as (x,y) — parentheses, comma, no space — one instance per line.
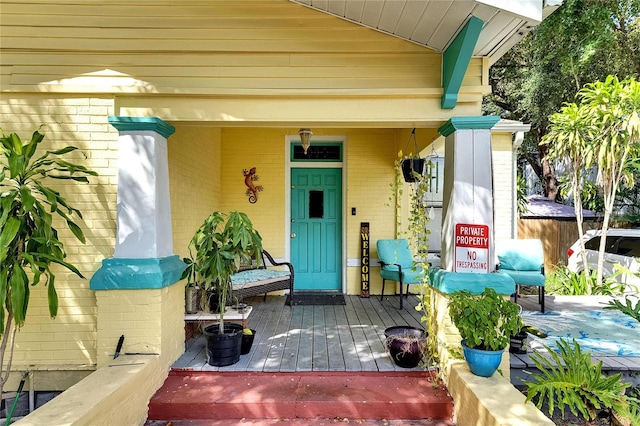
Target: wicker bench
(254,280)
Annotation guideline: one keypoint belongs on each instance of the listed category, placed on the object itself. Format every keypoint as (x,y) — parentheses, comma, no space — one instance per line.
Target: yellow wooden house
(174,102)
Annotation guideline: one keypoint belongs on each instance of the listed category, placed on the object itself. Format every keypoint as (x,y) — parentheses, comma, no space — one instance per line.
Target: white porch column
(143,207)
(467,226)
(135,294)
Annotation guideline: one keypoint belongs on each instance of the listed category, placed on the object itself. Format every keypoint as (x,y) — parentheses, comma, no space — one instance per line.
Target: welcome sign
(364,259)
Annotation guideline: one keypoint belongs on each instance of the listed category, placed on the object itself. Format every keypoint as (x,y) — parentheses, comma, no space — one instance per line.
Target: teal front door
(316,228)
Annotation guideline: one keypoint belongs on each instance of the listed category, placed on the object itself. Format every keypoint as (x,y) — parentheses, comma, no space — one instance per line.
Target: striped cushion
(253,275)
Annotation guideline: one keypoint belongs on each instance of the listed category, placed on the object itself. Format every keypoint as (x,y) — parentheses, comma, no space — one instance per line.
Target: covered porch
(351,337)
(299,338)
(342,347)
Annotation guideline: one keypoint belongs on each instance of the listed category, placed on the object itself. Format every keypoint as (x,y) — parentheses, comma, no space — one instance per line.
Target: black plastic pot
(223,349)
(247,342)
(411,165)
(405,344)
(213,302)
(518,343)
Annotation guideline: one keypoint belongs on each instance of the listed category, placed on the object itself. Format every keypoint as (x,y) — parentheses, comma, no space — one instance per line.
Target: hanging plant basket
(411,165)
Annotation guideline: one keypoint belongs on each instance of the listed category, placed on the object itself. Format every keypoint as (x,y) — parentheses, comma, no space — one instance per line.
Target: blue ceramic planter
(482,363)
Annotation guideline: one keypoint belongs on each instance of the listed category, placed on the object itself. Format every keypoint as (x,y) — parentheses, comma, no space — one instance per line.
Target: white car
(623,247)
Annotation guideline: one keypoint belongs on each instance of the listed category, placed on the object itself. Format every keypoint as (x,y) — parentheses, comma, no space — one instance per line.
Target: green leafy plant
(485,321)
(568,283)
(627,308)
(521,194)
(601,131)
(29,242)
(571,380)
(417,232)
(217,250)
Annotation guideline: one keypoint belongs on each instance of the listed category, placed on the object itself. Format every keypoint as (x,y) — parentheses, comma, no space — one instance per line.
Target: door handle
(293,235)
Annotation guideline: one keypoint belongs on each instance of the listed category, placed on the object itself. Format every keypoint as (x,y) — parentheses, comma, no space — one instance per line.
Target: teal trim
(131,124)
(449,282)
(137,274)
(455,61)
(468,123)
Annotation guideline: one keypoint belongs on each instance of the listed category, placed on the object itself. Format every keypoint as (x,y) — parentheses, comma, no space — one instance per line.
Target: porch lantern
(305,139)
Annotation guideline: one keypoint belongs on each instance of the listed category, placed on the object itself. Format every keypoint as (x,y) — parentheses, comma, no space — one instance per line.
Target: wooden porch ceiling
(436,23)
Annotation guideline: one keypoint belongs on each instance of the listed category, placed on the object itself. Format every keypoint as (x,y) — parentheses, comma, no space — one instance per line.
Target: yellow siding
(204,47)
(200,60)
(220,48)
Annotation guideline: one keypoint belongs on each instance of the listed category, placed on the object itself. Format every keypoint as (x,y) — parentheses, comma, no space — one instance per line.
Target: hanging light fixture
(305,139)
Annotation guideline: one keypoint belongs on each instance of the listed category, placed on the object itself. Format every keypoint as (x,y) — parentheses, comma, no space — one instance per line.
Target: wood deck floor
(315,338)
(351,337)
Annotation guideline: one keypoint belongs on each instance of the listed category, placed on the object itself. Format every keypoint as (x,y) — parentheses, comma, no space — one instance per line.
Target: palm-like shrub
(217,250)
(29,242)
(627,308)
(571,380)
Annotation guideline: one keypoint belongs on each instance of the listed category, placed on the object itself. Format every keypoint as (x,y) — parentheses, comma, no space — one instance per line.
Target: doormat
(306,298)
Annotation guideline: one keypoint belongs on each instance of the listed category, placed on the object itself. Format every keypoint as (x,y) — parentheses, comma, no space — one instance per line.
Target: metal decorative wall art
(250,177)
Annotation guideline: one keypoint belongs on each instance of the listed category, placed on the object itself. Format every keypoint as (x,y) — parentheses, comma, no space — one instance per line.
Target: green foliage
(589,193)
(634,406)
(217,250)
(485,321)
(570,380)
(29,242)
(521,194)
(627,308)
(567,283)
(581,42)
(418,215)
(418,233)
(603,132)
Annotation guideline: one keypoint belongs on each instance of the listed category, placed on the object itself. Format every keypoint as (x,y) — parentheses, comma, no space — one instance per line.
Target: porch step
(189,396)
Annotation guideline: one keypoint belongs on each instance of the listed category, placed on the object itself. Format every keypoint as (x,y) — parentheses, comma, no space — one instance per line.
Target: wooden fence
(557,236)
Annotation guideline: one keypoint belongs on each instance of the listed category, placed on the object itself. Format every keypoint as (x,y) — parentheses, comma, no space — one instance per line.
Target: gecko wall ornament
(250,177)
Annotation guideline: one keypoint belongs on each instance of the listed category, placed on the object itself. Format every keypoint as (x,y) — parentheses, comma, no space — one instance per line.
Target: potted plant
(218,248)
(411,165)
(405,344)
(412,168)
(486,323)
(192,298)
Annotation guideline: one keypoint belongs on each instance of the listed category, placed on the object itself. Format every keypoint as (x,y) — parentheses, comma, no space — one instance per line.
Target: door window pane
(316,204)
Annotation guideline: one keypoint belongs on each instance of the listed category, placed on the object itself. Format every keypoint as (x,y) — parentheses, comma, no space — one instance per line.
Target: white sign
(471,248)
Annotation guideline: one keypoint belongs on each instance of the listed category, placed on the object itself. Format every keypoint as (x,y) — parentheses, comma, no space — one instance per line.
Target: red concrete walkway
(393,398)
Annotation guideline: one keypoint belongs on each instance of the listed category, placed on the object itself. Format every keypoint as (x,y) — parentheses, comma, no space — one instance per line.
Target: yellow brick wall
(194,180)
(370,157)
(264,149)
(503,191)
(69,341)
(152,321)
(368,172)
